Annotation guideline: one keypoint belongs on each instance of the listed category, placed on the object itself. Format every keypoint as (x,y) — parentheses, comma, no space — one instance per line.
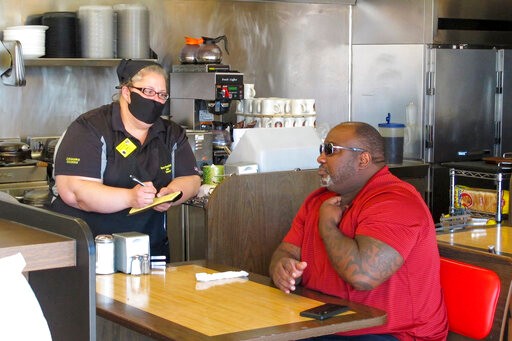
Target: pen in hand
(137,180)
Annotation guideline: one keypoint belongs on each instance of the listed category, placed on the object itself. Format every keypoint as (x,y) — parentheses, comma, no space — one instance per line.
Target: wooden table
(480,238)
(170,305)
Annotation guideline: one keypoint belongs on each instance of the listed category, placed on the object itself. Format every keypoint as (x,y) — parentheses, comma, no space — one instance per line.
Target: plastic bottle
(411,135)
(393,134)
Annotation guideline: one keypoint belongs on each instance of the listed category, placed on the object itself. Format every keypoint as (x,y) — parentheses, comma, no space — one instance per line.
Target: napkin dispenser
(127,245)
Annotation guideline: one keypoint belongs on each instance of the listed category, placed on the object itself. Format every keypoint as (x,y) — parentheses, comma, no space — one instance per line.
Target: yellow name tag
(126,147)
(72,160)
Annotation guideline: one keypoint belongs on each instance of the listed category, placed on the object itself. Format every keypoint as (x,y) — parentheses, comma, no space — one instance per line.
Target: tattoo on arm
(364,262)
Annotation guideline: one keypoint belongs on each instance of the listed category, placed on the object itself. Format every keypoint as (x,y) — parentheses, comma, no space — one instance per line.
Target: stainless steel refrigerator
(467,112)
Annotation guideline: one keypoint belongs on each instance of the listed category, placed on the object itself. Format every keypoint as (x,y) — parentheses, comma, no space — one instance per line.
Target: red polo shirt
(392,211)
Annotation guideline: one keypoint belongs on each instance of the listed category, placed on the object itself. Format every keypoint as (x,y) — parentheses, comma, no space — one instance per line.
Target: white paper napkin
(204,277)
(210,284)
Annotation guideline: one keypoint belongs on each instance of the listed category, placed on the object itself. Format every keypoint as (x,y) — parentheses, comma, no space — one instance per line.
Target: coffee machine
(200,99)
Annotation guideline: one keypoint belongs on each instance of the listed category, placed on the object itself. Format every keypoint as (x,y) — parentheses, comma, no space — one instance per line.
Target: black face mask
(144,109)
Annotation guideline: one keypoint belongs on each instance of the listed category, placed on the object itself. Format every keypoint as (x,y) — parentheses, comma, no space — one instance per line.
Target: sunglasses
(329,148)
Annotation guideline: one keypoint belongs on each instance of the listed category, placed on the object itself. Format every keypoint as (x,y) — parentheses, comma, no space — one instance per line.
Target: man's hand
(331,212)
(285,268)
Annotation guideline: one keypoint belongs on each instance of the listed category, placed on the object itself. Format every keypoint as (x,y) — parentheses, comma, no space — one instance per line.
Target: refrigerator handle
(430,89)
(499,82)
(429,139)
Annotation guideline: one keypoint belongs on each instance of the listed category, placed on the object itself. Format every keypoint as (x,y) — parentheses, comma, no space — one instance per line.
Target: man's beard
(326,181)
(341,177)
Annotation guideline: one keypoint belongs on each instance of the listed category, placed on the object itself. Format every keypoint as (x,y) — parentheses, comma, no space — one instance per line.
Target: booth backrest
(248,216)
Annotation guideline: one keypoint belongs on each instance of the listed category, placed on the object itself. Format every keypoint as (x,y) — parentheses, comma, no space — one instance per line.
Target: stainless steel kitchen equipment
(201,143)
(20,178)
(24,176)
(201,100)
(12,68)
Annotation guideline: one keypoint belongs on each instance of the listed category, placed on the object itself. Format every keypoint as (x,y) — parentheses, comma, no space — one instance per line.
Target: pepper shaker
(145,264)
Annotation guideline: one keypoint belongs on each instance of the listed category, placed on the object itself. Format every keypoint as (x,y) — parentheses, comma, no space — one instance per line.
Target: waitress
(103,149)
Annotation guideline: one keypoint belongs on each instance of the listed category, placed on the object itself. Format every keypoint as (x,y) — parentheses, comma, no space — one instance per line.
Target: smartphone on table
(324,311)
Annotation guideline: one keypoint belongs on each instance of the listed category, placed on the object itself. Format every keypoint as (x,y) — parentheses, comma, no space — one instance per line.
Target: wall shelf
(88,62)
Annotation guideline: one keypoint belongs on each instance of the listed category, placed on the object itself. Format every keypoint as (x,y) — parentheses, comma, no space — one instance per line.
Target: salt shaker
(136,265)
(104,254)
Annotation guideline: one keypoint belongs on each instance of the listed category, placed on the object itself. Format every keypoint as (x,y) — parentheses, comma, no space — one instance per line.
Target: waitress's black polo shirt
(97,145)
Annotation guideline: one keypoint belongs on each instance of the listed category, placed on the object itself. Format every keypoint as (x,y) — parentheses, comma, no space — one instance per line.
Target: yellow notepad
(171,197)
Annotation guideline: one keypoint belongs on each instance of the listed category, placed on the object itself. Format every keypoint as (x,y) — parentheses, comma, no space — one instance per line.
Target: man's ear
(365,159)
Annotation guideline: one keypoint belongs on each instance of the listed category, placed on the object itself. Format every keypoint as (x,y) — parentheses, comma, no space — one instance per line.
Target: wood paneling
(41,249)
(248,216)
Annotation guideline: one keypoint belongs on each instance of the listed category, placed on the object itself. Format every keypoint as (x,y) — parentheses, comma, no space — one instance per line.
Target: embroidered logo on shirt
(72,160)
(126,147)
(167,168)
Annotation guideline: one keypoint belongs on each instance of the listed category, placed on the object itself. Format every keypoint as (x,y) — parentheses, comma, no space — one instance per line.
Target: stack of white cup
(303,112)
(275,112)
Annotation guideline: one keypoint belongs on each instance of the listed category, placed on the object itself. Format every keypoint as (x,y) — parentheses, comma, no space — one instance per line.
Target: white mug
(277,122)
(271,106)
(310,121)
(297,107)
(283,104)
(239,106)
(266,122)
(310,105)
(287,105)
(289,122)
(299,122)
(249,91)
(256,106)
(248,106)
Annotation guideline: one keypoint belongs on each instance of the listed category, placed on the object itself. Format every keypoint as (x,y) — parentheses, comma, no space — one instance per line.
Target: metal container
(104,254)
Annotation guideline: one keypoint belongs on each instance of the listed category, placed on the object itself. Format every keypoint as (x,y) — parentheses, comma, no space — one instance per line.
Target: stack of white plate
(31,37)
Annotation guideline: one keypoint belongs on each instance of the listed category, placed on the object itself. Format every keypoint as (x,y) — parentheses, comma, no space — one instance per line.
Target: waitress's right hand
(143,195)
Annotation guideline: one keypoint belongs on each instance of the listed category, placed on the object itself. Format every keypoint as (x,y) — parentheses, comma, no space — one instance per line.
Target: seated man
(368,237)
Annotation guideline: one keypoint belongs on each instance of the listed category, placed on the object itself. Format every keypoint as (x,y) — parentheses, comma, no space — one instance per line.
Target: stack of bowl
(31,37)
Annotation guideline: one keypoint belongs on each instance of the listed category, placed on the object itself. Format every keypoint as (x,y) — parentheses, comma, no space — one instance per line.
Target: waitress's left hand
(165,206)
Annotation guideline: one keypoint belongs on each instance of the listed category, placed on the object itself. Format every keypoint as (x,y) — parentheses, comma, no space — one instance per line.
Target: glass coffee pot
(209,52)
(189,51)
